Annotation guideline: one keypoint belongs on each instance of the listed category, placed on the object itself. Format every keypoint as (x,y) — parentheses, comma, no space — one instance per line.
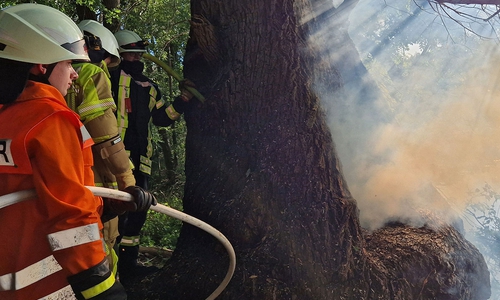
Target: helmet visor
(140,45)
(79,47)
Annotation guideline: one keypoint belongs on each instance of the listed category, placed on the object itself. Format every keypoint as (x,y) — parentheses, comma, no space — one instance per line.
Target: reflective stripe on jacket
(135,101)
(44,146)
(90,95)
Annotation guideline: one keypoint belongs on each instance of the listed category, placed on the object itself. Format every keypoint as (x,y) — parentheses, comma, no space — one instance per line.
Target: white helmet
(39,34)
(129,41)
(107,38)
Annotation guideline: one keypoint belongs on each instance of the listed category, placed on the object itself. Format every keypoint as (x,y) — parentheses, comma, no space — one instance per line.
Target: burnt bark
(430,262)
(261,167)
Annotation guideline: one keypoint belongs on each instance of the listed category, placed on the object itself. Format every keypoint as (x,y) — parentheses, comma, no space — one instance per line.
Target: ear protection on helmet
(93,42)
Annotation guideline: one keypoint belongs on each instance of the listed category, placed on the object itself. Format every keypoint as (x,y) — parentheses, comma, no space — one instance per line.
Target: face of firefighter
(62,76)
(131,56)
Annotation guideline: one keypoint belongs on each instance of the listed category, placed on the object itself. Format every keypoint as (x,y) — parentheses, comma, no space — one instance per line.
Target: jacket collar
(38,90)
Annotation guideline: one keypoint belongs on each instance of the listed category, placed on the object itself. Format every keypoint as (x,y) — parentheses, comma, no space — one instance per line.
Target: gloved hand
(185,94)
(142,199)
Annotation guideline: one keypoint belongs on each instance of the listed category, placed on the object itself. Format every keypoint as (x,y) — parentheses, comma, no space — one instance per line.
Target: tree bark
(261,167)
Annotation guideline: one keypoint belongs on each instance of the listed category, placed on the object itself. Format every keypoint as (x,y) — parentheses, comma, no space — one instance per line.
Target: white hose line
(119,195)
(16,197)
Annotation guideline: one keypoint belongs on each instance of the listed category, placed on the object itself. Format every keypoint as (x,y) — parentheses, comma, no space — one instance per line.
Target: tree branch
(467,2)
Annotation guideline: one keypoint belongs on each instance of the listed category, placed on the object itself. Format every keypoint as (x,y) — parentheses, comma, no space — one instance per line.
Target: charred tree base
(428,263)
(402,262)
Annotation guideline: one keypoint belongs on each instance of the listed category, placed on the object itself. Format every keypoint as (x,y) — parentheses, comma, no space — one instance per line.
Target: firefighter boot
(127,262)
(129,271)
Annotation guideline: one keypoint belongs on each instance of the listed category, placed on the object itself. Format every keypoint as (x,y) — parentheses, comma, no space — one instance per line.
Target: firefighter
(91,98)
(139,104)
(51,245)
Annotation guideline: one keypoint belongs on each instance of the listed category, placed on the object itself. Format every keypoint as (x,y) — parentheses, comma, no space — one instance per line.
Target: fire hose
(173,74)
(19,196)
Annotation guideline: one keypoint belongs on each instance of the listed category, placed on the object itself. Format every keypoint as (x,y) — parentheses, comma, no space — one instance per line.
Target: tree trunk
(261,167)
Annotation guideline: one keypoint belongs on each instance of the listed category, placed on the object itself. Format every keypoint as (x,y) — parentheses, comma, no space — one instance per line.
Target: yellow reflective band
(123,92)
(152,98)
(114,258)
(145,166)
(159,103)
(92,107)
(145,169)
(130,241)
(130,162)
(64,293)
(99,288)
(110,185)
(153,92)
(172,113)
(115,261)
(73,237)
(146,161)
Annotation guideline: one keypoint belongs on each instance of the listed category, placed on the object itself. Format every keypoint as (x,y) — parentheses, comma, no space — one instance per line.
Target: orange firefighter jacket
(43,146)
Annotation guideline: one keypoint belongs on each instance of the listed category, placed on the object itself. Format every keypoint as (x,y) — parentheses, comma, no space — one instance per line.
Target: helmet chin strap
(44,78)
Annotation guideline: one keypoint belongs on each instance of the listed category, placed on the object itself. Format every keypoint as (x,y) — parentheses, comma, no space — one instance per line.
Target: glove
(185,94)
(112,209)
(142,199)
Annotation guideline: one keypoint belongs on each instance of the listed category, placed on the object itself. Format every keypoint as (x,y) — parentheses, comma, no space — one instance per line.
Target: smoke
(417,123)
(431,156)
(420,130)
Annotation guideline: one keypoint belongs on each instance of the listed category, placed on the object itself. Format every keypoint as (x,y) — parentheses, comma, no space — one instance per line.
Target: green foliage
(5,4)
(167,185)
(160,231)
(165,25)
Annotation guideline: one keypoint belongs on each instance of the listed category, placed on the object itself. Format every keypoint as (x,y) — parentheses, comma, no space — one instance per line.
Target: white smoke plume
(438,140)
